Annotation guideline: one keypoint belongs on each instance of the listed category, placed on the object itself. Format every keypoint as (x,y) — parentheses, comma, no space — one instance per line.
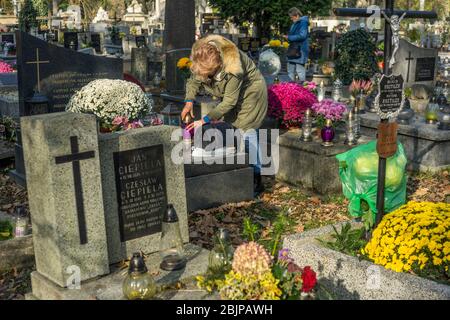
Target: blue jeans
(251,138)
(296,68)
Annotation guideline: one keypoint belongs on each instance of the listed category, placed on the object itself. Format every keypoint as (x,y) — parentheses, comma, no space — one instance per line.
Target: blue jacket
(298,34)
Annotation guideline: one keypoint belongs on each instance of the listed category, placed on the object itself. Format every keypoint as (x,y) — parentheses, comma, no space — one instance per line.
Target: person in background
(229,74)
(298,49)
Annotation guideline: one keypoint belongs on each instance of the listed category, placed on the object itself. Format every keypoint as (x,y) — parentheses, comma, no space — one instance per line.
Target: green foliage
(268,13)
(8,129)
(27,17)
(251,230)
(6,230)
(355,56)
(413,35)
(349,241)
(368,216)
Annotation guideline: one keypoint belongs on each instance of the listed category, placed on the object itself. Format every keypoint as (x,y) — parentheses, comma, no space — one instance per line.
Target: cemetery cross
(37,63)
(75,157)
(387,12)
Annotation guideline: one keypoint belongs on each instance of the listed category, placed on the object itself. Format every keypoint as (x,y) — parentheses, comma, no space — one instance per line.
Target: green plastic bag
(358,169)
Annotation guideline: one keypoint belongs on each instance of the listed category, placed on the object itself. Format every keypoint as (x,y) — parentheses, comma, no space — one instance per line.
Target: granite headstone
(416,65)
(65,195)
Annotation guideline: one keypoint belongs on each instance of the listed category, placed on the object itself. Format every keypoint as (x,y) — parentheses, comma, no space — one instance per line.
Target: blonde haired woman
(229,74)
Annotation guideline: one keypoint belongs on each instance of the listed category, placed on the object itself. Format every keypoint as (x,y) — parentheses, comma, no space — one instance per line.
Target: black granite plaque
(141,191)
(96,42)
(140,41)
(390,94)
(425,69)
(61,71)
(8,37)
(70,37)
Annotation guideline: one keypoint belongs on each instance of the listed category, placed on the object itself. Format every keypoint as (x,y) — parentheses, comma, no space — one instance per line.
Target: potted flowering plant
(379,54)
(117,104)
(328,109)
(288,102)
(184,65)
(255,275)
(6,67)
(278,46)
(311,86)
(360,89)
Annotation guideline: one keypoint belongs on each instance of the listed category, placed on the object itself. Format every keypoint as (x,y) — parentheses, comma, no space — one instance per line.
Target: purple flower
(283,255)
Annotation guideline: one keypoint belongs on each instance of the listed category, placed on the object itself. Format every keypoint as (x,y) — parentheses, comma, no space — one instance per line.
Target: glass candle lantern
(171,243)
(350,138)
(361,103)
(444,118)
(337,90)
(20,223)
(138,284)
(307,126)
(431,112)
(321,92)
(172,114)
(187,134)
(221,255)
(327,133)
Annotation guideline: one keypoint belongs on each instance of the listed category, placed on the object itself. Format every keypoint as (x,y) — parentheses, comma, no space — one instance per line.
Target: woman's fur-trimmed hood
(229,51)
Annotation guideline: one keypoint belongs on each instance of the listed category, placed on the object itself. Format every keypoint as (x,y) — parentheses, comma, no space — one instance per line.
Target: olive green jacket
(239,85)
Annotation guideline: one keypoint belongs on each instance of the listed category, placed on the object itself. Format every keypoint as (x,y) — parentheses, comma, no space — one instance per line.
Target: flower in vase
(5,67)
(329,109)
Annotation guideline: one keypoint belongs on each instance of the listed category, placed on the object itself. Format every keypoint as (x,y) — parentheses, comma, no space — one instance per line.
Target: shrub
(356,57)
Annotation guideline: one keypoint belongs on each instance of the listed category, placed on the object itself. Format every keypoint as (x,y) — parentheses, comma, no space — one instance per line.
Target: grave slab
(426,147)
(64,190)
(351,279)
(126,149)
(110,287)
(309,164)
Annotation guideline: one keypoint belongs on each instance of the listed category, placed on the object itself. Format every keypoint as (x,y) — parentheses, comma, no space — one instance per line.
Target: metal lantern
(350,138)
(171,243)
(36,104)
(138,284)
(406,114)
(337,90)
(307,126)
(444,118)
(172,114)
(321,92)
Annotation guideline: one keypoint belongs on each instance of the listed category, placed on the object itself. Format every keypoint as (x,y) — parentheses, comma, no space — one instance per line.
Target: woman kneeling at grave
(229,74)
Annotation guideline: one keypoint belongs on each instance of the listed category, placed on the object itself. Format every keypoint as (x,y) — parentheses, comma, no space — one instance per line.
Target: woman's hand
(195,124)
(188,108)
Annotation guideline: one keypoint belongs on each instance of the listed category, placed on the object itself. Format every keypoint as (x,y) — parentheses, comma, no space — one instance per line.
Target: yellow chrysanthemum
(413,236)
(184,63)
(274,43)
(285,44)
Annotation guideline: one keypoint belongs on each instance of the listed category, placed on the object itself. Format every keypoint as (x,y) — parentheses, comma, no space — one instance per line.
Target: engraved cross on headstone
(37,62)
(75,157)
(409,63)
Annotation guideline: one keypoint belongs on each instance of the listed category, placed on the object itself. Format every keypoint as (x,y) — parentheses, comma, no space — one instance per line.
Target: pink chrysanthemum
(5,67)
(288,102)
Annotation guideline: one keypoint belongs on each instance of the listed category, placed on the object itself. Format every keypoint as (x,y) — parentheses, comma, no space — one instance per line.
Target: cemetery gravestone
(139,178)
(8,37)
(416,65)
(139,63)
(65,196)
(56,73)
(97,43)
(96,198)
(71,40)
(140,41)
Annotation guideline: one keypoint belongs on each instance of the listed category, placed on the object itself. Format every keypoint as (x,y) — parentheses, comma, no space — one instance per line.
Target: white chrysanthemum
(108,99)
